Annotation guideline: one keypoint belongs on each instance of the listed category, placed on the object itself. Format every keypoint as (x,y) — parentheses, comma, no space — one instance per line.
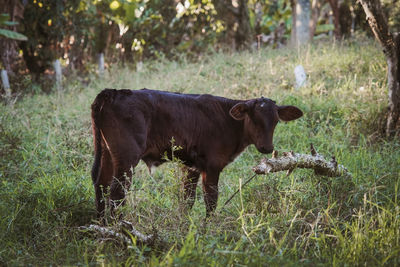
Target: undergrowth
(302,219)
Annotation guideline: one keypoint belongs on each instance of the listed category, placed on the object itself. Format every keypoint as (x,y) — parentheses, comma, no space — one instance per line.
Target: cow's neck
(244,139)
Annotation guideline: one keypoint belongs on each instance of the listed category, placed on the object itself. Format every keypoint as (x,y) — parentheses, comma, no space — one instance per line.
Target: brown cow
(132,125)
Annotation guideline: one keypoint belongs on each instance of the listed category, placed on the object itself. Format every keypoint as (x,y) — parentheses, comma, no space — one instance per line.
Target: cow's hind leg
(126,139)
(189,186)
(102,185)
(124,164)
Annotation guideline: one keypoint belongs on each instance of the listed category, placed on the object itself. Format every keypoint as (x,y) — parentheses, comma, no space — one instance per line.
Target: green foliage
(391,10)
(301,219)
(153,28)
(267,16)
(55,28)
(321,28)
(128,31)
(12,35)
(4,21)
(124,30)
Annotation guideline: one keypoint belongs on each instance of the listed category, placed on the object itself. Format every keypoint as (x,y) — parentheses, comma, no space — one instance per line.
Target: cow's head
(260,118)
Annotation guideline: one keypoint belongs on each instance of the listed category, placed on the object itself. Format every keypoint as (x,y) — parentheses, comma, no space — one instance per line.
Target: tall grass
(301,219)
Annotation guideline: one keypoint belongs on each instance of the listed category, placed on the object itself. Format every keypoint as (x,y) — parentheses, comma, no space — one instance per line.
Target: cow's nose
(266,150)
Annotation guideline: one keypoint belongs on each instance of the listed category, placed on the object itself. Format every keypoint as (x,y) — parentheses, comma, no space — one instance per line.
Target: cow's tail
(105,96)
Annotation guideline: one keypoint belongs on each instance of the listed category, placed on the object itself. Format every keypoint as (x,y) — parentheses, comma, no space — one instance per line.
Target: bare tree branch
(290,160)
(378,23)
(122,233)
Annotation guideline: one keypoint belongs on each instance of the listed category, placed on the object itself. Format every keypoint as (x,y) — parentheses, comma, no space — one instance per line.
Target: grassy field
(302,219)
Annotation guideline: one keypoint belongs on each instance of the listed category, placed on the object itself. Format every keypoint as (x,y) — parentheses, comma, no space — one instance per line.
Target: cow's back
(187,116)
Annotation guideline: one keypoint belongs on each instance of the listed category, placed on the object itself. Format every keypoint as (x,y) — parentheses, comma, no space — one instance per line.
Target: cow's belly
(191,158)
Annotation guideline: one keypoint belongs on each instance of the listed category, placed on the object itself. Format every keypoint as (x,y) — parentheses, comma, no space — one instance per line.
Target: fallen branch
(122,233)
(290,160)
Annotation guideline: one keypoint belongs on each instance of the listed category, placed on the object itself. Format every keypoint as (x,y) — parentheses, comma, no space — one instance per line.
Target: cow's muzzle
(266,150)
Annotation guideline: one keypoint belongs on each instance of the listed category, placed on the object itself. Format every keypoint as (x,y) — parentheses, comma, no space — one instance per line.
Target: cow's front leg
(189,186)
(210,189)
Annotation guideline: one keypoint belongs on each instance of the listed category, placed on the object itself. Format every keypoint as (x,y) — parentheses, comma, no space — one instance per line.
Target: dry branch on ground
(122,233)
(290,160)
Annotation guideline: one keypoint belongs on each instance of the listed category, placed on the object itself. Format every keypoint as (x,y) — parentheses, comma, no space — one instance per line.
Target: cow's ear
(238,111)
(289,113)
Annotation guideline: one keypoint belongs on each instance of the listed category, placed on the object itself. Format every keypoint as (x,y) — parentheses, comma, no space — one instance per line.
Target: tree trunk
(391,48)
(315,10)
(8,47)
(335,10)
(345,19)
(243,35)
(235,14)
(8,54)
(293,31)
(301,22)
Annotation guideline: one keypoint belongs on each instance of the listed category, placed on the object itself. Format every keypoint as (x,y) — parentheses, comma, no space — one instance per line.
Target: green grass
(302,219)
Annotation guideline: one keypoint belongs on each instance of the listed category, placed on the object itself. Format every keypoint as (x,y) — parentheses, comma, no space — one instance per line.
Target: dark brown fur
(132,125)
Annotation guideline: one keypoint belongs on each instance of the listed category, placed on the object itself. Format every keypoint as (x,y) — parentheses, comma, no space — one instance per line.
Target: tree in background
(301,22)
(235,15)
(126,31)
(336,18)
(346,19)
(391,48)
(271,21)
(10,12)
(80,34)
(52,28)
(315,13)
(163,28)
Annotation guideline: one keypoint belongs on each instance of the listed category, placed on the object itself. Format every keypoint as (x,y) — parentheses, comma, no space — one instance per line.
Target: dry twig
(123,234)
(290,160)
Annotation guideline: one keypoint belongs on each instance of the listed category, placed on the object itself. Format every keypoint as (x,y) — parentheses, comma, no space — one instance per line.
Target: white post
(139,66)
(101,64)
(58,74)
(300,75)
(5,82)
